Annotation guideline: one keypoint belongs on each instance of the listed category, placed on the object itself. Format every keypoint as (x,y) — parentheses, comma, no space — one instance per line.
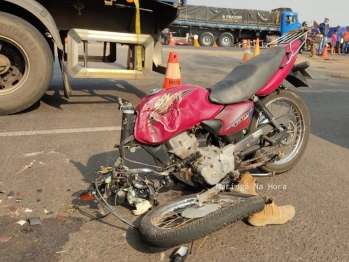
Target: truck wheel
(26,64)
(226,39)
(206,39)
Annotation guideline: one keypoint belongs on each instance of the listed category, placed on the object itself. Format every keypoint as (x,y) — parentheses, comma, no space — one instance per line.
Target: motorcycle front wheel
(168,225)
(291,149)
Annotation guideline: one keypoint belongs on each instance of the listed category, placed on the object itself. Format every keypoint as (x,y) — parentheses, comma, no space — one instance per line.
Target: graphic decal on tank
(242,118)
(166,109)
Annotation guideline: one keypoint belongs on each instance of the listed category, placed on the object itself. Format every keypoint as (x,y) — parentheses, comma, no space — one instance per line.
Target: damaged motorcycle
(248,120)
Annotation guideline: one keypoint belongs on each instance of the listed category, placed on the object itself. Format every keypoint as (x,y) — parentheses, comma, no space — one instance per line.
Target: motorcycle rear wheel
(165,227)
(280,103)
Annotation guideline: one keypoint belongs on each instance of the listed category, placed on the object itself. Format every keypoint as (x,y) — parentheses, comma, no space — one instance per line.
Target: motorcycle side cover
(172,111)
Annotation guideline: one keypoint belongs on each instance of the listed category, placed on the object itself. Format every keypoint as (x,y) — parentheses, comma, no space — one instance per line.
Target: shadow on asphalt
(56,100)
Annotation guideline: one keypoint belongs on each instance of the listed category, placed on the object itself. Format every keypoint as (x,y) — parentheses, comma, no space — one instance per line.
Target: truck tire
(206,39)
(226,39)
(26,64)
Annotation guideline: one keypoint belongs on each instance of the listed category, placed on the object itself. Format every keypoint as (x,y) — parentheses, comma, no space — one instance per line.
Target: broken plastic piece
(4,239)
(47,212)
(142,208)
(21,222)
(13,208)
(19,200)
(34,221)
(59,216)
(27,210)
(11,193)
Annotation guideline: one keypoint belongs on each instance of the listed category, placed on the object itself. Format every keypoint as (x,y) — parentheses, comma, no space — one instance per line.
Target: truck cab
(289,21)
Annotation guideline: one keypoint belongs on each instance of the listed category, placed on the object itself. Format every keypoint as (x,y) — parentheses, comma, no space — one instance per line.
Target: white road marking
(60,131)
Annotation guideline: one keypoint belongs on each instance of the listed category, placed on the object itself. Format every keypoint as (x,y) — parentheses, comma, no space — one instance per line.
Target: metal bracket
(76,36)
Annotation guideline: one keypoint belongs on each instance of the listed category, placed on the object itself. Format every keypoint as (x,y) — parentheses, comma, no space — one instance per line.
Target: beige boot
(246,184)
(272,214)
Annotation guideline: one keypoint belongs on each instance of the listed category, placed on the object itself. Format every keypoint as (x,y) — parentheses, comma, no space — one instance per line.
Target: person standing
(345,37)
(323,29)
(339,37)
(333,41)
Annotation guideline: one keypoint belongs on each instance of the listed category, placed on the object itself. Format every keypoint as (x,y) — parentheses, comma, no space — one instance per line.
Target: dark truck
(31,31)
(227,26)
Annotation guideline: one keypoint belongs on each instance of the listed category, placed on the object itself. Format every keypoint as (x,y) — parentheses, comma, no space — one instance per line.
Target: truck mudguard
(43,15)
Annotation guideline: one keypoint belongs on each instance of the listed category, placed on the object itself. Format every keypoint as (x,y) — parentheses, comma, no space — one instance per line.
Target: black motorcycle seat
(246,79)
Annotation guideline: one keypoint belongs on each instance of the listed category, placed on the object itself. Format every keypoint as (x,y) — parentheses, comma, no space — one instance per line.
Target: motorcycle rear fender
(298,75)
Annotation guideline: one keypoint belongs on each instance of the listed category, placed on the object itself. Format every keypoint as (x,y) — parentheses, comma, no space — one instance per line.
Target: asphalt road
(51,151)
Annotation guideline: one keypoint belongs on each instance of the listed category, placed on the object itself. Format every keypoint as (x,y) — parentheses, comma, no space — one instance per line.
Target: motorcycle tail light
(87,196)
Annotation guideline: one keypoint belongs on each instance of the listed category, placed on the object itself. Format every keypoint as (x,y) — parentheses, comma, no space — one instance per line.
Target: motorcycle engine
(213,164)
(183,145)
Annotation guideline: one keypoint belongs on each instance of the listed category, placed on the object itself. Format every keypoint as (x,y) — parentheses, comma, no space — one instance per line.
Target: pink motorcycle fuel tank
(171,111)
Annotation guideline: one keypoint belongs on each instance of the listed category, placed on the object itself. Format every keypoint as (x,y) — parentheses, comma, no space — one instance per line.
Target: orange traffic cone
(214,44)
(256,50)
(173,74)
(247,54)
(172,42)
(324,52)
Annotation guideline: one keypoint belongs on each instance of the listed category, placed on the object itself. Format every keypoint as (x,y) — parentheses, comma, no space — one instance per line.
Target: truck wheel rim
(207,40)
(226,40)
(14,66)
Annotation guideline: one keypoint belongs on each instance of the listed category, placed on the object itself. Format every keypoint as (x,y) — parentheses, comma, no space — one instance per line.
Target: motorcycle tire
(302,114)
(235,206)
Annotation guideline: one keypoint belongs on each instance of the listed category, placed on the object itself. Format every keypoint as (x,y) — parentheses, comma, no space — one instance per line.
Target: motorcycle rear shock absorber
(265,111)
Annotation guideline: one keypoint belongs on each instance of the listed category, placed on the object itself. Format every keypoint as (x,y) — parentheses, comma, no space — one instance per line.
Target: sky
(308,10)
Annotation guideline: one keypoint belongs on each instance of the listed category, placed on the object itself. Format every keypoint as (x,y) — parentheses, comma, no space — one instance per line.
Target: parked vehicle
(31,30)
(228,26)
(250,120)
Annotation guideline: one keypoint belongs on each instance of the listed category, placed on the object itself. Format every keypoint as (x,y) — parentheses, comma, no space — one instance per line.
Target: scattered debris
(21,222)
(18,200)
(4,239)
(39,190)
(59,252)
(26,230)
(26,167)
(41,163)
(162,256)
(201,245)
(47,212)
(0,201)
(34,221)
(59,216)
(18,193)
(2,191)
(72,209)
(38,200)
(13,208)
(11,194)
(27,210)
(34,154)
